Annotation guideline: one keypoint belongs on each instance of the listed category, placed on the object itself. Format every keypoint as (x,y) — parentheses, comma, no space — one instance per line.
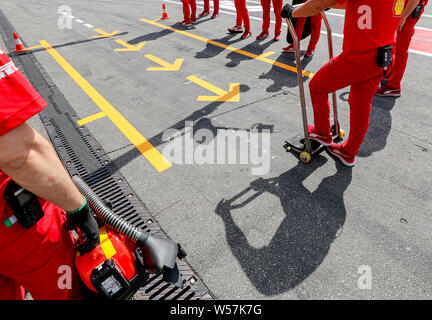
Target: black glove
(84,220)
(287,11)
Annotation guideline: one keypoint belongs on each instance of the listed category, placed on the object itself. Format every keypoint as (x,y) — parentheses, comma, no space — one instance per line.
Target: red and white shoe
(246,34)
(204,13)
(276,37)
(215,15)
(324,140)
(309,53)
(386,91)
(290,48)
(185,23)
(236,29)
(263,35)
(337,150)
(193,19)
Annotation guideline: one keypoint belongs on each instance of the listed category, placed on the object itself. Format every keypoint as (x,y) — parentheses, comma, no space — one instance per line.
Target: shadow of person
(257,47)
(281,77)
(303,239)
(380,124)
(211,50)
(207,124)
(150,36)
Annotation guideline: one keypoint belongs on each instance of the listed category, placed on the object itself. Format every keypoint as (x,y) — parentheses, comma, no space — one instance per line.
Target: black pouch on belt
(24,204)
(385,56)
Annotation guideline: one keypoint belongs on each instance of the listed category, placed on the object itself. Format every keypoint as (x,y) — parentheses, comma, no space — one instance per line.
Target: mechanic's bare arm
(410,5)
(314,7)
(30,160)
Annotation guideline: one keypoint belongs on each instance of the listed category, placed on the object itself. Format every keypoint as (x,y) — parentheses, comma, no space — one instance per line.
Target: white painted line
(422,28)
(79,21)
(88,25)
(426,54)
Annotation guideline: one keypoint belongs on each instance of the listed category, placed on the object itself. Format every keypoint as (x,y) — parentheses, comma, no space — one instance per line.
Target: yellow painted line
(103,34)
(232,95)
(129,47)
(35,47)
(165,66)
(91,118)
(141,143)
(230,48)
(265,55)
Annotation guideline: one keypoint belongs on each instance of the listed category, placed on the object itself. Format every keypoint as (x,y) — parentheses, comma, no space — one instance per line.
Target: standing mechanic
(189,15)
(410,16)
(206,10)
(315,34)
(36,247)
(242,18)
(370,27)
(277,8)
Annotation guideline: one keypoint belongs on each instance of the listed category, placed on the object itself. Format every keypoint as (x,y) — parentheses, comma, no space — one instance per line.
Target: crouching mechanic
(370,27)
(36,247)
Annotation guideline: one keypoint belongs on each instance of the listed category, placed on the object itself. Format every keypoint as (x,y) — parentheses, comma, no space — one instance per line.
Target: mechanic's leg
(316,31)
(239,16)
(266,15)
(401,54)
(360,101)
(193,6)
(332,76)
(277,8)
(186,11)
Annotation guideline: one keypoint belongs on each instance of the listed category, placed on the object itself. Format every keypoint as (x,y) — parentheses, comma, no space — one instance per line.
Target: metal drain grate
(83,156)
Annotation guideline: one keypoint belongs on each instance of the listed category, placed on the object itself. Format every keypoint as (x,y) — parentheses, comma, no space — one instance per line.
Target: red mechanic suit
(215,6)
(34,258)
(242,14)
(400,52)
(369,24)
(315,29)
(187,14)
(277,8)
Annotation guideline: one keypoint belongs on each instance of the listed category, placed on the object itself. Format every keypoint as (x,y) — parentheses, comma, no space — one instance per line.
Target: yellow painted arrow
(129,47)
(103,34)
(165,66)
(233,95)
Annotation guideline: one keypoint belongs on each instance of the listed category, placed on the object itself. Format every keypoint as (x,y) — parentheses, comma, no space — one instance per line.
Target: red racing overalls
(369,25)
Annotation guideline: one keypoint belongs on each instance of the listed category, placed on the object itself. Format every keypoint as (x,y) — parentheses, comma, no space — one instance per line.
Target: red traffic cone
(164,13)
(18,44)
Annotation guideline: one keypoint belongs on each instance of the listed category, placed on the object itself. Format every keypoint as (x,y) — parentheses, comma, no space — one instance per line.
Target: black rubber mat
(83,156)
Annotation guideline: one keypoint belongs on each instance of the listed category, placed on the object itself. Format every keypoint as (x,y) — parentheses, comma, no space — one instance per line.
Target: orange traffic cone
(164,13)
(18,44)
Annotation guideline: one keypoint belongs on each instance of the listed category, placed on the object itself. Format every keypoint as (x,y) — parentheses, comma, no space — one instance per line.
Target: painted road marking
(91,118)
(230,48)
(88,25)
(165,66)
(103,34)
(141,143)
(233,95)
(129,47)
(422,41)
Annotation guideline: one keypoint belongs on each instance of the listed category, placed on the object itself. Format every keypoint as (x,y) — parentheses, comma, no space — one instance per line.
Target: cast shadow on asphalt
(279,75)
(75,42)
(200,118)
(303,239)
